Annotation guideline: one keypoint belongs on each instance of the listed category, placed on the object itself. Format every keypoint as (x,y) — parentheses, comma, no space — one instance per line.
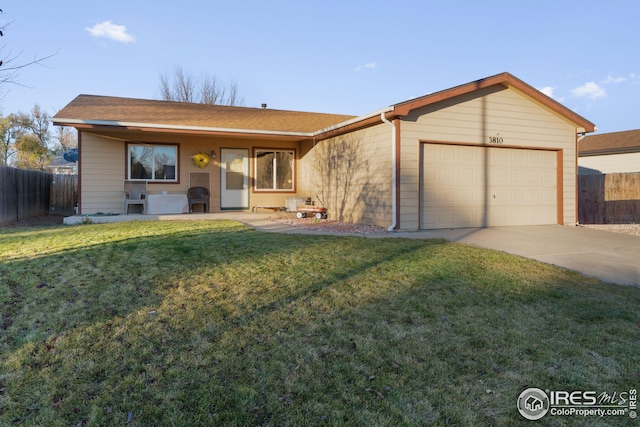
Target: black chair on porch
(198,195)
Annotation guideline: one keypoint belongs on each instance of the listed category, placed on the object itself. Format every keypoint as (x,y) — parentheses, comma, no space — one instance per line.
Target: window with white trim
(153,162)
(274,170)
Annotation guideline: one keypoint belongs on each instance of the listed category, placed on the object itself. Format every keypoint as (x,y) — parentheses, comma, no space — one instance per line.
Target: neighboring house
(491,152)
(615,152)
(58,165)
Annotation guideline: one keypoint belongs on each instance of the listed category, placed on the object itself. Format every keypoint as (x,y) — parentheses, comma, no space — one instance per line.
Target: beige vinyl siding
(102,173)
(612,163)
(103,168)
(351,174)
(472,119)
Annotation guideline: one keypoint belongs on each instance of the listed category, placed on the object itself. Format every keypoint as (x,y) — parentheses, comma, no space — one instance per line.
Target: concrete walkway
(611,257)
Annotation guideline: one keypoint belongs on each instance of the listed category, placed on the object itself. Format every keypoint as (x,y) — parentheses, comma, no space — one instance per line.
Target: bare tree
(206,90)
(66,137)
(10,66)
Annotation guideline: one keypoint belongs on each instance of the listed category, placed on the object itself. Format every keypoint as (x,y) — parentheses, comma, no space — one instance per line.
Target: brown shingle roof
(92,109)
(97,111)
(609,143)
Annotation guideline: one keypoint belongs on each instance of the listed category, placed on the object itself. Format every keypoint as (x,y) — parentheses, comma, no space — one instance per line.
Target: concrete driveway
(612,257)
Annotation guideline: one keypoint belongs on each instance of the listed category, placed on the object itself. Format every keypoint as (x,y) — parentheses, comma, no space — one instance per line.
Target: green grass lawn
(213,323)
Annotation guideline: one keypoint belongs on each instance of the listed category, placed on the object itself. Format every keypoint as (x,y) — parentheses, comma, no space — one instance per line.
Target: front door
(234,178)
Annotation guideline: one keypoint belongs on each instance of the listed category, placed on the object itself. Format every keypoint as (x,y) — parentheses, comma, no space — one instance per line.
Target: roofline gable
(504,79)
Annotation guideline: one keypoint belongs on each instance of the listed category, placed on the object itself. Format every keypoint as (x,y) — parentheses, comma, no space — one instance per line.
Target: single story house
(491,152)
(615,152)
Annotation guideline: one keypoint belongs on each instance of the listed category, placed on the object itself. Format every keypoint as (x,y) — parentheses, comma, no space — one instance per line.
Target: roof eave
(155,127)
(338,128)
(608,151)
(355,123)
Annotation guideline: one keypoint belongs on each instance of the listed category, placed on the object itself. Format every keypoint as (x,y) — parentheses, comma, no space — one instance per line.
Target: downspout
(394,207)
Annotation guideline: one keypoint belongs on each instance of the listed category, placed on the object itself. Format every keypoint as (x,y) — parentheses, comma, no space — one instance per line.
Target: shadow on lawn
(200,330)
(90,281)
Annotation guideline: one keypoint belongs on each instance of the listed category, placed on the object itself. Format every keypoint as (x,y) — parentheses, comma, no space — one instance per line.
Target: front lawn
(213,323)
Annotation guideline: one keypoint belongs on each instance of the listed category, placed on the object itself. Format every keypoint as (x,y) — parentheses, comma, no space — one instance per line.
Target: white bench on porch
(167,204)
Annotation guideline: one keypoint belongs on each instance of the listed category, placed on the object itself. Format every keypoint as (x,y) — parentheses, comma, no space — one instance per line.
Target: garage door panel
(448,175)
(446,153)
(549,178)
(429,196)
(468,196)
(537,157)
(520,186)
(447,197)
(467,175)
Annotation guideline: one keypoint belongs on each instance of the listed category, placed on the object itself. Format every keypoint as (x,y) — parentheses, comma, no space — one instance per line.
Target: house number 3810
(495,140)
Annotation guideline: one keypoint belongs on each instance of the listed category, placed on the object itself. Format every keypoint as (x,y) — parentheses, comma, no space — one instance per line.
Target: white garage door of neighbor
(473,186)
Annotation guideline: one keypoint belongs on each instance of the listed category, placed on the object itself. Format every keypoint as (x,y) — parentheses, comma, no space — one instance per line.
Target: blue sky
(342,56)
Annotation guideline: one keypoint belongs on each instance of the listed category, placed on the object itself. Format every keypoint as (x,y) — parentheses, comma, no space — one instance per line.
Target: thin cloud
(550,92)
(611,79)
(590,90)
(370,66)
(109,30)
(547,90)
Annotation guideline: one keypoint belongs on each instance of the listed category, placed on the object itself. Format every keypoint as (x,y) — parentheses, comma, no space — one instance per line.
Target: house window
(274,170)
(153,162)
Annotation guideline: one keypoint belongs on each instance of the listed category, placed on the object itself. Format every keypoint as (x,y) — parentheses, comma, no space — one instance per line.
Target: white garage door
(470,186)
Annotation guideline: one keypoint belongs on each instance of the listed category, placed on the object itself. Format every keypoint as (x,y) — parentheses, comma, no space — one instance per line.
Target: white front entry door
(234,178)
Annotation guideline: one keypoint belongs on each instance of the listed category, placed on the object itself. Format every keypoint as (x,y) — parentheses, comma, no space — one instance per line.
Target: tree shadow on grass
(101,302)
(241,327)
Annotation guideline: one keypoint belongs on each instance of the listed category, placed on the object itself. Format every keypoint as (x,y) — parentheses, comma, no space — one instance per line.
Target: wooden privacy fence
(64,194)
(26,194)
(609,199)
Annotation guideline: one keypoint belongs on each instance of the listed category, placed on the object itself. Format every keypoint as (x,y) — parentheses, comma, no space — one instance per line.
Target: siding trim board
(398,161)
(80,172)
(560,186)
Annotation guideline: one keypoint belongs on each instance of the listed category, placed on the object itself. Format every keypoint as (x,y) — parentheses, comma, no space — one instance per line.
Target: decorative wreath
(200,159)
